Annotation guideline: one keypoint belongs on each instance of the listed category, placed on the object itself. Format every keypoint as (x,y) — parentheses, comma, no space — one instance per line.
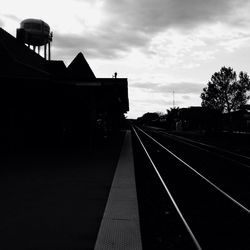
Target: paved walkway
(58,201)
(120,228)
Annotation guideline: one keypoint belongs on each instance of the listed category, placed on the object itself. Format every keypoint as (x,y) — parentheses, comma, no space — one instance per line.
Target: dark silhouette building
(79,69)
(46,103)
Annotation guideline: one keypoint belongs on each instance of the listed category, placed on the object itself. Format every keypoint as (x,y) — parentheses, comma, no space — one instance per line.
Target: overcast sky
(161,46)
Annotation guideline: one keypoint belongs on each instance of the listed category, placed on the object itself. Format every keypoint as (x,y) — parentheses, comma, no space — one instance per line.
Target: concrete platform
(56,200)
(120,228)
(65,200)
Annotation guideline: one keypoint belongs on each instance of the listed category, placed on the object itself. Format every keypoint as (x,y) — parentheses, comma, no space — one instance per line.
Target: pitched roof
(57,69)
(79,69)
(17,60)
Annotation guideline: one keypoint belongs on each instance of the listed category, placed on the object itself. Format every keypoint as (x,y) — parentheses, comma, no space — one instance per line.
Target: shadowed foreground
(56,200)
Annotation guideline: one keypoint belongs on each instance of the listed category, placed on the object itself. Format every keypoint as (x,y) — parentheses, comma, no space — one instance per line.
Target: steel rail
(189,142)
(203,177)
(170,195)
(204,144)
(208,145)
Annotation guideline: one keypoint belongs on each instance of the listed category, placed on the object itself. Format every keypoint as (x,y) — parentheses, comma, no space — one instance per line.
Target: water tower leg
(49,52)
(45,51)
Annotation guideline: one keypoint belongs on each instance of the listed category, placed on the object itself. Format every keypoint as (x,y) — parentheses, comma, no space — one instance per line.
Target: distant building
(238,121)
(45,103)
(199,118)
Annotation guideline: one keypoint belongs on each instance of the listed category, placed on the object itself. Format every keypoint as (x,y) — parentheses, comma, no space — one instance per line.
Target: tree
(148,117)
(225,92)
(172,117)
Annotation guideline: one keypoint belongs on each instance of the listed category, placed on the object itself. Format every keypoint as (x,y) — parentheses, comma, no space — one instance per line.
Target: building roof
(79,69)
(17,60)
(57,69)
(120,87)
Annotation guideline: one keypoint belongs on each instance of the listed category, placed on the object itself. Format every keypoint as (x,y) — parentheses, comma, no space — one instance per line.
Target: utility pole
(173,100)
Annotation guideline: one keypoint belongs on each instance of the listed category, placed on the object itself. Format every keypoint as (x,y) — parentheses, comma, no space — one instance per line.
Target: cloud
(133,24)
(159,101)
(172,47)
(12,17)
(238,41)
(154,16)
(186,97)
(178,88)
(101,44)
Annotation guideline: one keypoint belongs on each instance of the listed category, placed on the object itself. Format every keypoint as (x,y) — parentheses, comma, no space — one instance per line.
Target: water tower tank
(37,33)
(34,32)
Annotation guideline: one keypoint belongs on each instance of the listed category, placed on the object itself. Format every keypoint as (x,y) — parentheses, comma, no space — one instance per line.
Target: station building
(43,102)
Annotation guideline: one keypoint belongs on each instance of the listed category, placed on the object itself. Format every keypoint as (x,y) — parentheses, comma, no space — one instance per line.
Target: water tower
(37,33)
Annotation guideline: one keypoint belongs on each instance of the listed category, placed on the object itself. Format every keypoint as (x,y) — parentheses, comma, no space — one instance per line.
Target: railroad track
(229,170)
(208,191)
(240,159)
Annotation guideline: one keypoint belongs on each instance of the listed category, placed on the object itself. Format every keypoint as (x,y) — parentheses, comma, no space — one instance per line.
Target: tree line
(225,93)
